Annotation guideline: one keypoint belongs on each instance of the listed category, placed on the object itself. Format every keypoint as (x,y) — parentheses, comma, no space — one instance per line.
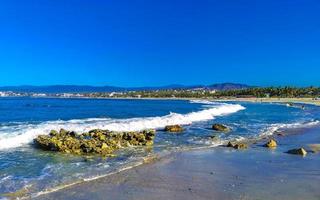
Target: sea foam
(22,134)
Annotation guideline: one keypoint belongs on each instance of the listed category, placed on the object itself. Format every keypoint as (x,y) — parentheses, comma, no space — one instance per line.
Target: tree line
(259,92)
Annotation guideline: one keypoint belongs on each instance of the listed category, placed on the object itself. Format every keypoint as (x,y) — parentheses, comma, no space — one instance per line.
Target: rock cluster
(174,128)
(237,145)
(97,141)
(220,127)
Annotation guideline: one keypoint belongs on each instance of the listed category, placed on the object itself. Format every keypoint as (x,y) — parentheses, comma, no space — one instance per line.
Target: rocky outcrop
(299,151)
(174,128)
(97,141)
(271,144)
(220,127)
(237,145)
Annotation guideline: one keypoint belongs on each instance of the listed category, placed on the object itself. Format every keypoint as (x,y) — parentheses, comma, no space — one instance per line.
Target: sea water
(33,171)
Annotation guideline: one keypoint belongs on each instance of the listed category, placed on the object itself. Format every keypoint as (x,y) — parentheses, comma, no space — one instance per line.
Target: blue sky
(152,43)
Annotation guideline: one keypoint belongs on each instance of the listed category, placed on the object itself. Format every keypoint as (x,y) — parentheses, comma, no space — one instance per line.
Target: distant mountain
(86,88)
(228,86)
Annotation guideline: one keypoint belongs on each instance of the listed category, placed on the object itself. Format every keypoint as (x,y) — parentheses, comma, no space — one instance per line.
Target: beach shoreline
(213,173)
(156,161)
(303,100)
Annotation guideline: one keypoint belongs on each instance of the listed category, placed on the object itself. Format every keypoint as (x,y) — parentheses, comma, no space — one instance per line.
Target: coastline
(309,101)
(214,173)
(190,154)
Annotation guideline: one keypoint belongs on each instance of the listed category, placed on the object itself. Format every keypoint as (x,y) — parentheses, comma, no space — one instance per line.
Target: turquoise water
(22,119)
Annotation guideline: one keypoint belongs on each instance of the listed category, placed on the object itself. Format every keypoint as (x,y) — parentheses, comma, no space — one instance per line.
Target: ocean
(33,171)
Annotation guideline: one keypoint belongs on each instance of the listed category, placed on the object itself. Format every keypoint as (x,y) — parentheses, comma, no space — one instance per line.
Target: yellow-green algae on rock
(174,128)
(102,142)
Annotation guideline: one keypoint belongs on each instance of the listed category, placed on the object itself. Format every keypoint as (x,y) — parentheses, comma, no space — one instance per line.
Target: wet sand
(216,173)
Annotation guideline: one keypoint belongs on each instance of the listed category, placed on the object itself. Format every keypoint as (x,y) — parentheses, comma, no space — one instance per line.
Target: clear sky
(152,43)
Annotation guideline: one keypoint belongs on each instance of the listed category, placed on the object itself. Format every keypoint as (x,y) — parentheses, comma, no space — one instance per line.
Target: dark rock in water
(271,144)
(237,145)
(299,151)
(100,142)
(220,127)
(174,128)
(230,144)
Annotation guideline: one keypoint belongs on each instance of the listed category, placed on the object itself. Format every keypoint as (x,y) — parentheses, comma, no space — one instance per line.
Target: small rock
(173,128)
(240,146)
(237,145)
(271,144)
(299,151)
(230,144)
(220,127)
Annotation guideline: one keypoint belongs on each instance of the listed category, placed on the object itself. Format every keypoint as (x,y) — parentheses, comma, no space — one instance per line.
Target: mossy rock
(220,127)
(271,144)
(97,141)
(237,145)
(174,128)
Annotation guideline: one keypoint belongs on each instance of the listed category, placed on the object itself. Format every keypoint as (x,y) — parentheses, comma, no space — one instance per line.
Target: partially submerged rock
(220,127)
(174,128)
(97,141)
(271,144)
(237,145)
(299,151)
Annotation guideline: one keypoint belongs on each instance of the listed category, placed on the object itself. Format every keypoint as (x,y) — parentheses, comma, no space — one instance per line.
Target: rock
(230,144)
(271,144)
(100,142)
(220,127)
(237,145)
(174,128)
(53,132)
(63,132)
(240,146)
(299,151)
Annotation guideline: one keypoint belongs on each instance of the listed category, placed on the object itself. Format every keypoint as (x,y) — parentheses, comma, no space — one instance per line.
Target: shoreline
(158,159)
(212,173)
(142,163)
(303,100)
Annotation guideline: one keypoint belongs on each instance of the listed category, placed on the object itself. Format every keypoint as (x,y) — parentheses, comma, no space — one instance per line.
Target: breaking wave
(272,129)
(20,134)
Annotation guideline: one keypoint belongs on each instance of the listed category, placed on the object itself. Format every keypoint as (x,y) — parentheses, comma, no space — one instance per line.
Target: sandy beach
(310,101)
(215,173)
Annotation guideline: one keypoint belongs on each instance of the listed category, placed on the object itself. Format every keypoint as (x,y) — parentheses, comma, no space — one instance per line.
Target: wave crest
(18,135)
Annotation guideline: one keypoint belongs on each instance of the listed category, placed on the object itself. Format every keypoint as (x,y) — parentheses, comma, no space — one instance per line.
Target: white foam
(205,102)
(276,127)
(21,134)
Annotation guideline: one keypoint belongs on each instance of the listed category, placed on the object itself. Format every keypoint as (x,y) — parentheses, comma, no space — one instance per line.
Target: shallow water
(22,119)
